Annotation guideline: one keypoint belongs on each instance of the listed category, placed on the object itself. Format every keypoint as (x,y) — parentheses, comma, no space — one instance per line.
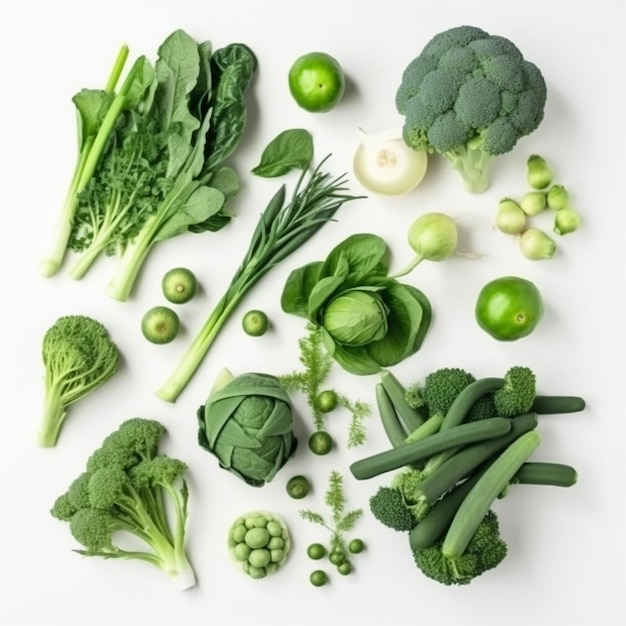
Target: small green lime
(160,325)
(509,308)
(255,323)
(179,285)
(316,82)
(320,443)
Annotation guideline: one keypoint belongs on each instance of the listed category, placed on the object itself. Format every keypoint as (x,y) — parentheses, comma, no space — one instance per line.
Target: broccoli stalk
(471,162)
(79,356)
(130,488)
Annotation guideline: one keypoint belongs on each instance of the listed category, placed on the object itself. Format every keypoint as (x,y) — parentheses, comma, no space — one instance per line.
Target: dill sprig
(311,381)
(341,520)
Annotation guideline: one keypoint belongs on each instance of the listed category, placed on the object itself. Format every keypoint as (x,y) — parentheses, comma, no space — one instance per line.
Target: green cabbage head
(247,424)
(366,318)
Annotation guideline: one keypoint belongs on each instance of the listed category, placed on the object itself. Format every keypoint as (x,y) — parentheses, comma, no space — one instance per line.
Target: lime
(179,285)
(160,324)
(255,323)
(509,308)
(316,82)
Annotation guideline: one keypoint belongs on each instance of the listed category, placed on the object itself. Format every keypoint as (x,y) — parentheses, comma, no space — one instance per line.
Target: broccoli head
(78,356)
(388,507)
(518,393)
(485,551)
(470,96)
(439,390)
(130,487)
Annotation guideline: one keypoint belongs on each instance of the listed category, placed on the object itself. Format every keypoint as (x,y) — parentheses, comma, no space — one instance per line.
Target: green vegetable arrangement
(341,522)
(79,356)
(320,400)
(285,225)
(130,489)
(470,96)
(367,319)
(459,443)
(260,542)
(246,423)
(151,157)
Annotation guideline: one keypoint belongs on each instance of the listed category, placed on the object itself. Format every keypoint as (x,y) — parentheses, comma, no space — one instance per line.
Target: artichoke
(247,425)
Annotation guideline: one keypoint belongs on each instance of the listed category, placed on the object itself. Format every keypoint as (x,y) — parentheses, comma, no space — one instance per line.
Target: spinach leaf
(290,149)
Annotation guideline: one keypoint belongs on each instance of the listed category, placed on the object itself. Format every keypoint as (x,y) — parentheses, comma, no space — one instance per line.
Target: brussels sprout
(247,425)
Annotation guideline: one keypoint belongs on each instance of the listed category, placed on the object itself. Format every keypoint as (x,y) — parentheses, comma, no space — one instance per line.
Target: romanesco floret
(470,96)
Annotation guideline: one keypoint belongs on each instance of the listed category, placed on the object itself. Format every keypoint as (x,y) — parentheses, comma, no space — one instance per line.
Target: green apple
(316,82)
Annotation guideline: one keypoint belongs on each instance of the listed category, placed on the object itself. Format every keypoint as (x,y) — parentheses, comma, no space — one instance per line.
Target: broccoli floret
(130,487)
(483,408)
(439,390)
(518,393)
(78,356)
(485,551)
(470,96)
(388,507)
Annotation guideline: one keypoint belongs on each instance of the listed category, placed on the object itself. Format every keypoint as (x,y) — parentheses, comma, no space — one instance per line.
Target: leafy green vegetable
(129,489)
(310,382)
(247,425)
(367,319)
(284,227)
(291,149)
(79,357)
(160,173)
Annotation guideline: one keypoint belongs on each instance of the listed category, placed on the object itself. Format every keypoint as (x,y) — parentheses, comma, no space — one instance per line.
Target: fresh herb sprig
(341,521)
(311,382)
(285,225)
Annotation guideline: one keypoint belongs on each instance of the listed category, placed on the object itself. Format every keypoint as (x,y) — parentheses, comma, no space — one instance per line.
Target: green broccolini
(79,356)
(130,488)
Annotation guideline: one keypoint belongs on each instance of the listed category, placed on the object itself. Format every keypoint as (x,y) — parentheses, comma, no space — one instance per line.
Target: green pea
(344,568)
(318,578)
(316,551)
(356,546)
(238,533)
(276,543)
(257,537)
(259,557)
(277,555)
(274,529)
(241,552)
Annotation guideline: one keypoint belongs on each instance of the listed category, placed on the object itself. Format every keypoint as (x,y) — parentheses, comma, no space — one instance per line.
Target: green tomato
(316,82)
(320,443)
(318,578)
(255,323)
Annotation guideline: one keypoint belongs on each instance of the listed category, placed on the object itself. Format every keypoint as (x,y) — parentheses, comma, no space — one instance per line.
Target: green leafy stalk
(98,113)
(282,229)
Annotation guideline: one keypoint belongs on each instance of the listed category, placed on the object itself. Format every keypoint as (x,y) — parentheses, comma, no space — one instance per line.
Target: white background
(566,547)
